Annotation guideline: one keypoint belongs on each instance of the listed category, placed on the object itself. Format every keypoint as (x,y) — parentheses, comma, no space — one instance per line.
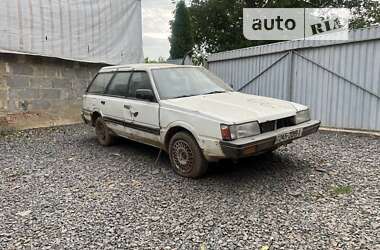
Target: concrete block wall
(39,91)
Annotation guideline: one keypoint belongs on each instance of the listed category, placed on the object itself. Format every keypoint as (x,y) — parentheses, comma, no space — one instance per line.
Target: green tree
(217,25)
(181,40)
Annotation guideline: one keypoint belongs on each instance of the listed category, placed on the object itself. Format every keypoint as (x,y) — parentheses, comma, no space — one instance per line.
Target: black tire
(186,157)
(270,151)
(103,133)
(269,154)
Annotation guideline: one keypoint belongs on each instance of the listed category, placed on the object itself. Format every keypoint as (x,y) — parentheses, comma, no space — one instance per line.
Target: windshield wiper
(183,96)
(215,92)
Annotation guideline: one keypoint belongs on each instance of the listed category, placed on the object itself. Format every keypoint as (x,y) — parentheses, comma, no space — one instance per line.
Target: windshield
(187,81)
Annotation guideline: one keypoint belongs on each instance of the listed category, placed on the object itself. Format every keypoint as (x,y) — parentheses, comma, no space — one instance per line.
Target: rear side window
(139,80)
(119,84)
(100,83)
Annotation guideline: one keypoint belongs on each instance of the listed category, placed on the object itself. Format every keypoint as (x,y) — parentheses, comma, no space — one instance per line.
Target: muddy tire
(103,133)
(186,157)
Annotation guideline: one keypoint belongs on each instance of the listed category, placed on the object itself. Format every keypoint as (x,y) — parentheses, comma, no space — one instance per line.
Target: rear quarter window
(100,83)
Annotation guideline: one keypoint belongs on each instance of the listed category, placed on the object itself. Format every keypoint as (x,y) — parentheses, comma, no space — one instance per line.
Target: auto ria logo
(297,23)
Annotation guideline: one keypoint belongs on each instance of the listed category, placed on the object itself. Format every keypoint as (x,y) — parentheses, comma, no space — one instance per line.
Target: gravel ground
(59,189)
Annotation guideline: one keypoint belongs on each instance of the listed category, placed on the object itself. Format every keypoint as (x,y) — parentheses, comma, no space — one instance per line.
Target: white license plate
(289,136)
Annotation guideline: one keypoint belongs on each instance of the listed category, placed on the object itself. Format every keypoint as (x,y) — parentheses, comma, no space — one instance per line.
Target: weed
(342,190)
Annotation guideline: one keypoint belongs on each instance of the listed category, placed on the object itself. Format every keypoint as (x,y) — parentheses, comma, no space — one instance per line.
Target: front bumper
(255,145)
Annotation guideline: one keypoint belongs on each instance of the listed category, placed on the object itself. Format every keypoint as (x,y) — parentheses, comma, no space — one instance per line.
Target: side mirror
(145,94)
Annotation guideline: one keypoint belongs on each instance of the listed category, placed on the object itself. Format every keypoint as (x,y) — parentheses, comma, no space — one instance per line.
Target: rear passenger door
(114,106)
(144,113)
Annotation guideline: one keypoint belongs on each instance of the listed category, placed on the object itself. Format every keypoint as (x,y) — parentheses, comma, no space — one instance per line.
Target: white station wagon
(189,113)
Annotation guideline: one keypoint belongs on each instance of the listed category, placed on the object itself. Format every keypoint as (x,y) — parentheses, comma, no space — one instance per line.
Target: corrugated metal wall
(180,61)
(338,80)
(101,31)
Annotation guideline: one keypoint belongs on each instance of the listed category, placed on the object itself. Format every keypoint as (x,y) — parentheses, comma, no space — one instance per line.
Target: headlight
(233,132)
(303,116)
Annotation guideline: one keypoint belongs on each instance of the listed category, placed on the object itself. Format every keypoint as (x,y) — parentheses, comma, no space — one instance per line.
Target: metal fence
(181,61)
(338,80)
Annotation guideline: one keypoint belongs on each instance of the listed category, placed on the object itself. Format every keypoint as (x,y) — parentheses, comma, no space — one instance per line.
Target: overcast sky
(156,30)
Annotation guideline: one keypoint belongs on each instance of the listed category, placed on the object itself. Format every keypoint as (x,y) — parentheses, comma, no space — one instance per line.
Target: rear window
(100,83)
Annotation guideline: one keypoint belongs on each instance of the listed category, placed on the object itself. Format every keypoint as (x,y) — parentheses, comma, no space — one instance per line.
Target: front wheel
(186,157)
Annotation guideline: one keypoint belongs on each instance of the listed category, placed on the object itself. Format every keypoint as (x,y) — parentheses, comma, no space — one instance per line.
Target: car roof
(142,66)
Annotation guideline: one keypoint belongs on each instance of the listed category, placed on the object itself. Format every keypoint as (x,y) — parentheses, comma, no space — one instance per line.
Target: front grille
(268,126)
(286,122)
(277,124)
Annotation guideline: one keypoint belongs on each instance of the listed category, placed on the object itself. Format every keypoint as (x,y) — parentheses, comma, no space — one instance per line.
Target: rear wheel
(186,157)
(103,133)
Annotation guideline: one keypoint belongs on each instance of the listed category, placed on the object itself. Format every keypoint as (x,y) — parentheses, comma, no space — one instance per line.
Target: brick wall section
(50,88)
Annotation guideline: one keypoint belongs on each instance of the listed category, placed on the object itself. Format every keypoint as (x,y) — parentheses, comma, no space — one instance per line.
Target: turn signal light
(226,133)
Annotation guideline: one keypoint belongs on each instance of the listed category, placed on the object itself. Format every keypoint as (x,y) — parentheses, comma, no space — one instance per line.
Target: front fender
(210,146)
(181,124)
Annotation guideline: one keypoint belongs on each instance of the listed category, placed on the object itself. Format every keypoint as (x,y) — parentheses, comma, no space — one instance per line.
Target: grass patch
(4,131)
(342,190)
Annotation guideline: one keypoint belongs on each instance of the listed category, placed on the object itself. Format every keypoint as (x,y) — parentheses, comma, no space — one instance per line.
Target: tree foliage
(181,40)
(218,24)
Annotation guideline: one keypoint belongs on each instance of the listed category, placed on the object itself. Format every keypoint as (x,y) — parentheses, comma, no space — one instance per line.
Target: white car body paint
(201,115)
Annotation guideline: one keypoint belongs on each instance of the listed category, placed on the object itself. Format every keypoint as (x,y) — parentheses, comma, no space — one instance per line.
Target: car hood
(236,107)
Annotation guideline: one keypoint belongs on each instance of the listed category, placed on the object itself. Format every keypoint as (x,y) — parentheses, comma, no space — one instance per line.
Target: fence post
(290,76)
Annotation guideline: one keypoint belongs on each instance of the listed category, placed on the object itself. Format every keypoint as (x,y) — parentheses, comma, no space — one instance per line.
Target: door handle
(135,114)
(127,106)
(103,102)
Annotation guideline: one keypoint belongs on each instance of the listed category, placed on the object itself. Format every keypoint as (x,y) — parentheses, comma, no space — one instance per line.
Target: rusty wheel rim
(182,156)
